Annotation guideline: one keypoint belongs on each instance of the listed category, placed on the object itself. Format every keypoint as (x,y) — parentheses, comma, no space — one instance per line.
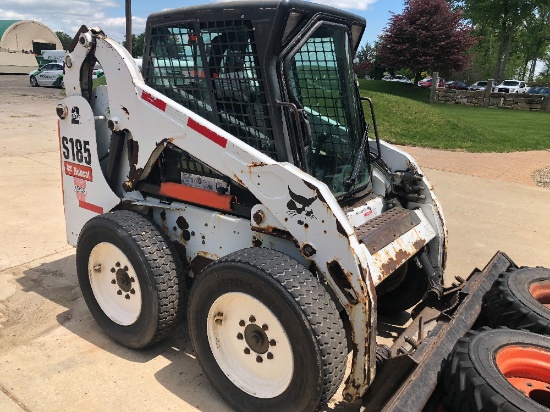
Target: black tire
(473,380)
(409,287)
(511,303)
(33,81)
(302,307)
(156,265)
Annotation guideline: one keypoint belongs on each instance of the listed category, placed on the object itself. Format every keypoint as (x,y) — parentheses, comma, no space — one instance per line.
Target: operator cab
(279,77)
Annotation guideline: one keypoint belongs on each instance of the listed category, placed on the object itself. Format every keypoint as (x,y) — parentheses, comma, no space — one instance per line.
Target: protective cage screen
(212,68)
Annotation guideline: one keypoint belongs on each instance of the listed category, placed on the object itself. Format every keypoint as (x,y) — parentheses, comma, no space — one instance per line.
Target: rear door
(49,74)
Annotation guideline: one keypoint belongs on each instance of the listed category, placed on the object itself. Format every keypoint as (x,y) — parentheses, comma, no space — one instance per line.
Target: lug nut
(117,264)
(119,292)
(240,336)
(259,359)
(264,327)
(133,291)
(246,351)
(252,319)
(132,280)
(242,323)
(127,296)
(113,282)
(269,355)
(272,342)
(113,270)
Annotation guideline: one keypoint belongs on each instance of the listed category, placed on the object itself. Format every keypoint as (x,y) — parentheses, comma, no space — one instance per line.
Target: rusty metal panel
(387,227)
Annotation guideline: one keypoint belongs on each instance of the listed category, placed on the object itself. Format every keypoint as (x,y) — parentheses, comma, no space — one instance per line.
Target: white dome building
(20,40)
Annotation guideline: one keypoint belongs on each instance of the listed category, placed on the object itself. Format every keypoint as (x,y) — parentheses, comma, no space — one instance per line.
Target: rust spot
(256,242)
(239,181)
(395,261)
(419,244)
(342,280)
(125,110)
(257,164)
(276,232)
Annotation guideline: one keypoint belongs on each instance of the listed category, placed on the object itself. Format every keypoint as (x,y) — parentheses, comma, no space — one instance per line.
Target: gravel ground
(542,177)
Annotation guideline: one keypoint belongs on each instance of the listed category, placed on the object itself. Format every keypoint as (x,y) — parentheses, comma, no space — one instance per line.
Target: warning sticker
(78,171)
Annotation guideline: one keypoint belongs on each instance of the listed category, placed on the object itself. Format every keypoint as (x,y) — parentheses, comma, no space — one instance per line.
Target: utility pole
(129,26)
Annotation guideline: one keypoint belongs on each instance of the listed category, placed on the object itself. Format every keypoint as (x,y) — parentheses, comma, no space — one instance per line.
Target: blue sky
(69,15)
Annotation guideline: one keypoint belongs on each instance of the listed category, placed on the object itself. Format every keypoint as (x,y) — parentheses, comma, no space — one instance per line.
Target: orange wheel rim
(541,292)
(527,368)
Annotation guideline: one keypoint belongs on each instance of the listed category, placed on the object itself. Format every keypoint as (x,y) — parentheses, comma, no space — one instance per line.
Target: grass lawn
(404,116)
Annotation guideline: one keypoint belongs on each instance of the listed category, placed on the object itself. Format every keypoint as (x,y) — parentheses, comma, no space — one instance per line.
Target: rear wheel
(266,333)
(130,278)
(498,370)
(33,81)
(520,299)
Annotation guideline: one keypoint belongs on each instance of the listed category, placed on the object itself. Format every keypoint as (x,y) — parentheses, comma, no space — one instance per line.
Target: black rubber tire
(33,81)
(157,266)
(472,381)
(509,302)
(302,306)
(407,294)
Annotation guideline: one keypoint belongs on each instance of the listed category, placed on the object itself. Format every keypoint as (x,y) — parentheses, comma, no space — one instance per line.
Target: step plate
(386,228)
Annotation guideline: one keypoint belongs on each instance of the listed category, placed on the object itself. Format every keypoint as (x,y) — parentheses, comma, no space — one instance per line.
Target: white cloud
(68,16)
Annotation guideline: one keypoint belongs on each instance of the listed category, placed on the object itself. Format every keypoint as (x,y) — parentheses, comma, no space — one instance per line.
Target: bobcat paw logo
(300,205)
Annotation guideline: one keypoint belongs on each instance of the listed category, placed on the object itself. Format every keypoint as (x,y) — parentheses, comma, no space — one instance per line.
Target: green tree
(137,44)
(428,35)
(505,18)
(64,38)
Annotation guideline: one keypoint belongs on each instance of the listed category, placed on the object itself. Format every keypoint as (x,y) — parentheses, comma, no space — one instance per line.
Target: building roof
(5,24)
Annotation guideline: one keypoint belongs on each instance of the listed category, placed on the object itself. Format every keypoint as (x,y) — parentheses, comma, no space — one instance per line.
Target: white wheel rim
(239,329)
(114,283)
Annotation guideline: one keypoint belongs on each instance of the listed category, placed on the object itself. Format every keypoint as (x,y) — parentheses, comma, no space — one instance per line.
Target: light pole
(129,26)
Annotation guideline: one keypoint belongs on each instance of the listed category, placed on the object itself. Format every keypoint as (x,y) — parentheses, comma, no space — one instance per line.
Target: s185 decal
(76,150)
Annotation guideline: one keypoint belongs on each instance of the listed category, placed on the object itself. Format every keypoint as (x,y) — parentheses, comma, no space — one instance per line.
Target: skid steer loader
(236,180)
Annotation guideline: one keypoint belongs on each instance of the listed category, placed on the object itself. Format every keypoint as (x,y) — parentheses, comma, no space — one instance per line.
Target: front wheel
(33,81)
(266,333)
(498,370)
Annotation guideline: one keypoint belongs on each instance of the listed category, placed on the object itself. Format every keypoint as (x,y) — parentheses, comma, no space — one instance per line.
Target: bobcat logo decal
(300,206)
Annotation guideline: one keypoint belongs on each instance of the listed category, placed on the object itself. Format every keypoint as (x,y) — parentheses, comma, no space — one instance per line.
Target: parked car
(50,74)
(427,82)
(512,86)
(545,91)
(402,79)
(397,78)
(480,85)
(456,85)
